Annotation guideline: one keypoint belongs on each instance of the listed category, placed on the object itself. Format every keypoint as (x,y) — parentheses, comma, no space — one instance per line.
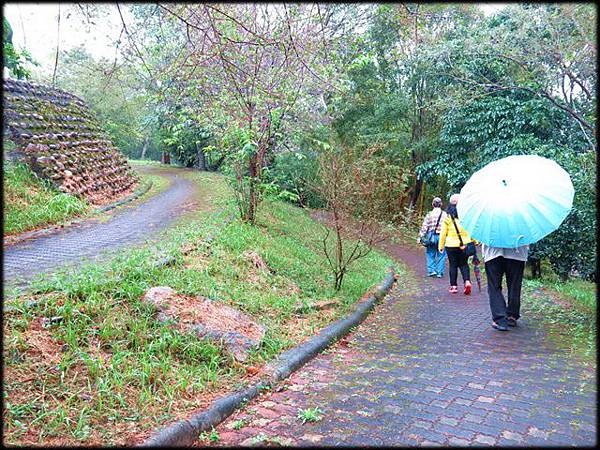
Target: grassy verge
(568,307)
(31,203)
(107,372)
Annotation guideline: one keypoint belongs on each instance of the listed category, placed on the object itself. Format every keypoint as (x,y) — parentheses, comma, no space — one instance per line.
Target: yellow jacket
(448,236)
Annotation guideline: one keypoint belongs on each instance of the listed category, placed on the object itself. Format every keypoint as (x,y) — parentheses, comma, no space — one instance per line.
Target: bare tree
(353,211)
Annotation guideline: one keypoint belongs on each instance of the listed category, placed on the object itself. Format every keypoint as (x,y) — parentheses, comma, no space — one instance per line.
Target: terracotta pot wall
(57,135)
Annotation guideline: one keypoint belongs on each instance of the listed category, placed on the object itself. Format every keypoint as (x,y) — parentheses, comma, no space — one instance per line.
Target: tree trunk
(144,148)
(536,267)
(201,158)
(252,179)
(415,193)
(421,200)
(166,157)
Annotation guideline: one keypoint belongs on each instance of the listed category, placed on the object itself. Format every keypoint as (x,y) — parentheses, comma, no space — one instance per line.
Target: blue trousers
(435,260)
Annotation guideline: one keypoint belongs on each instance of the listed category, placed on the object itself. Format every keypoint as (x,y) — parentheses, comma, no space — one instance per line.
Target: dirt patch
(207,318)
(42,347)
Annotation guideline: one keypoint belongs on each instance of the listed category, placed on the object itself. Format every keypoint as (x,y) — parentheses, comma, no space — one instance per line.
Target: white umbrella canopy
(515,201)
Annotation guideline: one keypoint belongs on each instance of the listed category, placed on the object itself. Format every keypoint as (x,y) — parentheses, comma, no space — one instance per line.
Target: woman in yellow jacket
(450,241)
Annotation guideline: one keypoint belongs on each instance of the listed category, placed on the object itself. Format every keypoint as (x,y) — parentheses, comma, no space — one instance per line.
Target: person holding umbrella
(510,263)
(507,205)
(429,236)
(454,239)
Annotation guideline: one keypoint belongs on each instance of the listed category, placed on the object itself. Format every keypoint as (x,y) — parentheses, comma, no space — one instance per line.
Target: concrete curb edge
(185,432)
(145,188)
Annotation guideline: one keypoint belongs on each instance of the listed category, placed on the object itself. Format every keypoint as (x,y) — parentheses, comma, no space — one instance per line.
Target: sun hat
(437,202)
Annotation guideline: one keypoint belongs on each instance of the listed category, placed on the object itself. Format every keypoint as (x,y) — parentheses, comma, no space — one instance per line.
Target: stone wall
(56,134)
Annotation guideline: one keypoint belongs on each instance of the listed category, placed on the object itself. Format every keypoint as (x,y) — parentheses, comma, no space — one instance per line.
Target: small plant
(238,424)
(351,203)
(310,415)
(213,436)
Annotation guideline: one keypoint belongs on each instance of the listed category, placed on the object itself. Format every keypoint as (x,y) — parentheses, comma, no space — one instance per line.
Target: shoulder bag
(431,238)
(469,249)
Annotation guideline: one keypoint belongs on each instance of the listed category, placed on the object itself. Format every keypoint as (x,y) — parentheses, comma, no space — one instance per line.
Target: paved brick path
(426,368)
(94,239)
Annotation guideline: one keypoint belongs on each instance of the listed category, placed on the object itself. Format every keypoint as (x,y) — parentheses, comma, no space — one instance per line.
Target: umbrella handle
(518,239)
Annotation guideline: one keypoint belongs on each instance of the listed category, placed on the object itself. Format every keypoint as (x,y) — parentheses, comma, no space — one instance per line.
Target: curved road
(94,239)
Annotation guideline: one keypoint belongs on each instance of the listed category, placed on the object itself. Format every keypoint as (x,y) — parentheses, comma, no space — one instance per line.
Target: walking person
(454,239)
(500,262)
(430,233)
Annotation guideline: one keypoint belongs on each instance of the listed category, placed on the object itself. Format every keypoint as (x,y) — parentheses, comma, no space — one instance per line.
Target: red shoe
(453,289)
(467,287)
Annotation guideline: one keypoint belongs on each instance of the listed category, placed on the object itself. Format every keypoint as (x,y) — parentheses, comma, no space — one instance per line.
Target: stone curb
(185,432)
(132,197)
(49,230)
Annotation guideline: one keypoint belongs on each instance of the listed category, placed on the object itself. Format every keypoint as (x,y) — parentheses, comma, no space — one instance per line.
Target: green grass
(239,424)
(110,370)
(581,293)
(31,203)
(213,436)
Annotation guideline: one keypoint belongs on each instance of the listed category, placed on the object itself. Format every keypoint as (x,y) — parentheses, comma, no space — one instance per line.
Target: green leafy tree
(15,61)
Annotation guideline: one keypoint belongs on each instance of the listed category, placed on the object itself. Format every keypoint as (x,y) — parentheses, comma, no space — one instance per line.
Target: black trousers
(457,260)
(495,270)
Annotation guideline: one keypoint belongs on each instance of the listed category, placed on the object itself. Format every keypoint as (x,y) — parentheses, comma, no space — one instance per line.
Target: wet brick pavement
(94,239)
(426,368)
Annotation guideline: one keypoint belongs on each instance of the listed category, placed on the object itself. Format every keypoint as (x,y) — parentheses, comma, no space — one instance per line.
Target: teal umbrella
(515,201)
